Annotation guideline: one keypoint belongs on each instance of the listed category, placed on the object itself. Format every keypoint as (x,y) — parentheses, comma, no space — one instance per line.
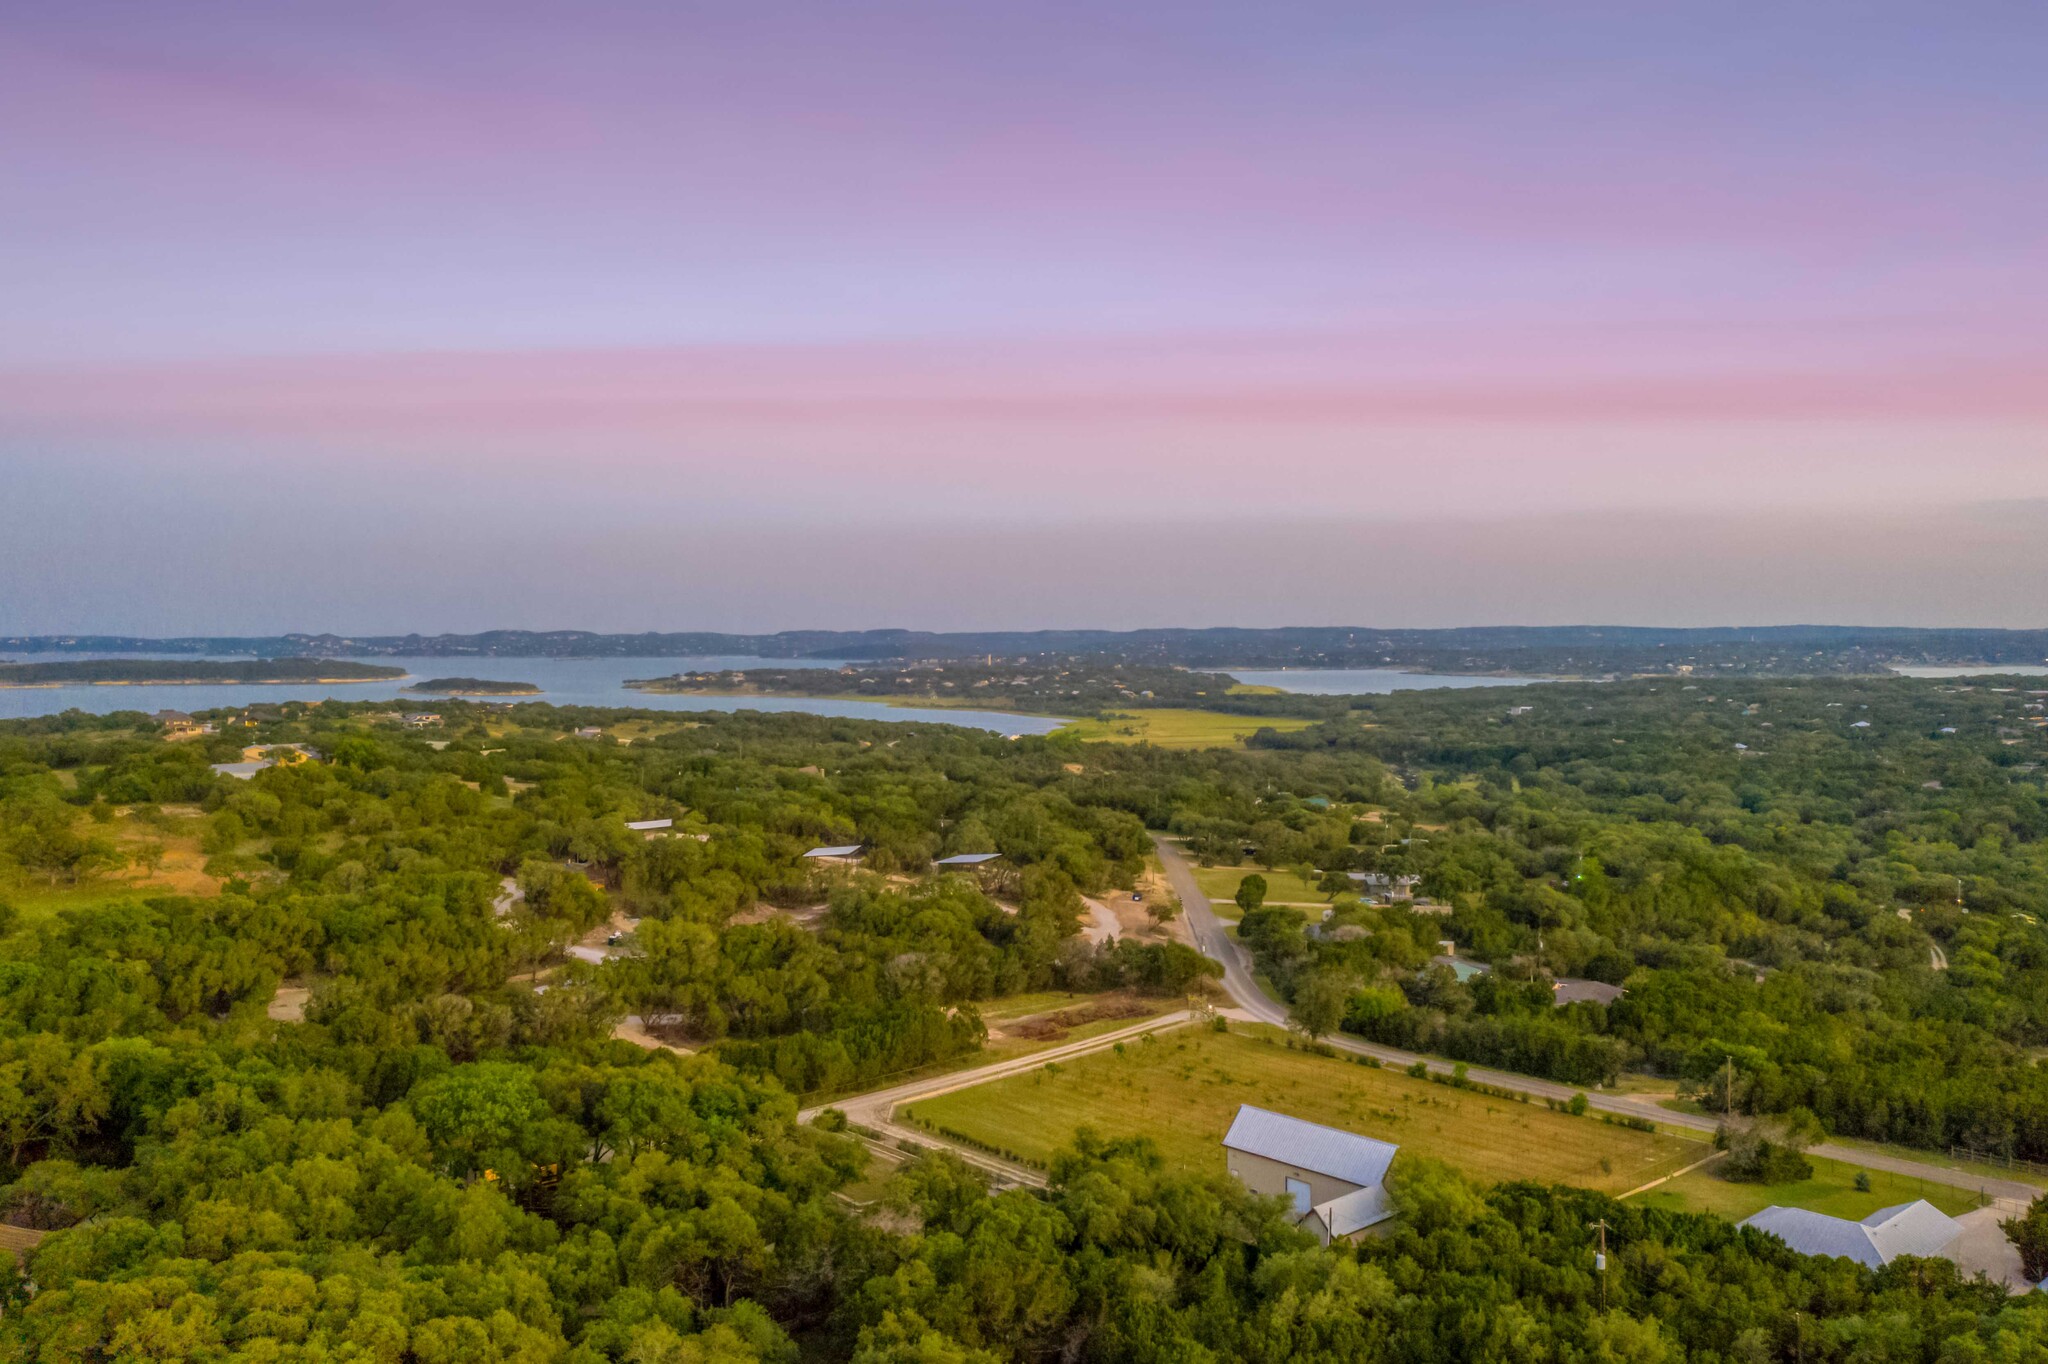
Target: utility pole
(1728,1085)
(1600,1259)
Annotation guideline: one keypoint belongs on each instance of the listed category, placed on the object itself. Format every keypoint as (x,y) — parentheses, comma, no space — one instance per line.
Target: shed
(967,860)
(1336,1179)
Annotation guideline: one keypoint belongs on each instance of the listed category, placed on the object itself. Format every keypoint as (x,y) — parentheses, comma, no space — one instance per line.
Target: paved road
(1213,937)
(878,1110)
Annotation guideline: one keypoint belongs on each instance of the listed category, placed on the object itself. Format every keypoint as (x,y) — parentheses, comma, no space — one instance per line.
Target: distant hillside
(1581,650)
(115,672)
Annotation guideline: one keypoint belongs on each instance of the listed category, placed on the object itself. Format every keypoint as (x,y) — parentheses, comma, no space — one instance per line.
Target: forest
(1054,688)
(450,1155)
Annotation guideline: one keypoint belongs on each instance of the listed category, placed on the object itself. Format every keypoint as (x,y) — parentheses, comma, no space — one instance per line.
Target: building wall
(1263,1176)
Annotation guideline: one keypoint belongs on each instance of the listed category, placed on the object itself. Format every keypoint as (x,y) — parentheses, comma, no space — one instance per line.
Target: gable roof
(1916,1228)
(1310,1146)
(966,859)
(847,850)
(1355,1211)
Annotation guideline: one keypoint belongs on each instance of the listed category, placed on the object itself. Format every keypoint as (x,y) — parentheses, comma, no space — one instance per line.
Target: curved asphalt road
(1214,939)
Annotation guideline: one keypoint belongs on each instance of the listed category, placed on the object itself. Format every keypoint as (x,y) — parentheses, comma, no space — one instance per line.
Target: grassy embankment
(1182,1088)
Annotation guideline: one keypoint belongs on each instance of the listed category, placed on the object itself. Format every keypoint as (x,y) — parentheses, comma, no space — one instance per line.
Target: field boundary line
(1708,1159)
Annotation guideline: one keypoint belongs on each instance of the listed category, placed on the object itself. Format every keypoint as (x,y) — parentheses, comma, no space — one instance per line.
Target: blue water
(1365,681)
(563,682)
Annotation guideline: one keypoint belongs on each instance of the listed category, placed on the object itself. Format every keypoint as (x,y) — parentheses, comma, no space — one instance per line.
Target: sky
(448,316)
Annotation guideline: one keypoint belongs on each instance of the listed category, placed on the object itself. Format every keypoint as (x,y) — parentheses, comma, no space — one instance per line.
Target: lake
(1972,670)
(1365,681)
(563,682)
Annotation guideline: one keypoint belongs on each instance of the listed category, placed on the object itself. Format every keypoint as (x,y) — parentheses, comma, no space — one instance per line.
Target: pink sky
(703,267)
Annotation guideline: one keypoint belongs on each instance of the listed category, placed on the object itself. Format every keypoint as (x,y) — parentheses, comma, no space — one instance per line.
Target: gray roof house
(848,852)
(1917,1228)
(1337,1179)
(966,859)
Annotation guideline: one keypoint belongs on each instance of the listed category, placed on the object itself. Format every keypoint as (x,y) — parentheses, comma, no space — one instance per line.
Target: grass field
(1179,728)
(1832,1190)
(162,859)
(1182,1088)
(1282,886)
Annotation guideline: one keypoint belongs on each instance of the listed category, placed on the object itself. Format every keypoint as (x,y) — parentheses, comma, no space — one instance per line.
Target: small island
(472,686)
(175,672)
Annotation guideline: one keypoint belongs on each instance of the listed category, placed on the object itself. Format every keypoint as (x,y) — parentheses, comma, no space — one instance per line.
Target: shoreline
(197,682)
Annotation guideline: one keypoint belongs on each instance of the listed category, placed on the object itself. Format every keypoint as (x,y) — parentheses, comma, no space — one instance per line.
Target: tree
(2029,1235)
(1319,1004)
(1251,893)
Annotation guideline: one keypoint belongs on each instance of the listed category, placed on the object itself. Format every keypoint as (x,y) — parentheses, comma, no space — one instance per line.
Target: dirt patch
(288,1005)
(1054,1027)
(657,1035)
(803,916)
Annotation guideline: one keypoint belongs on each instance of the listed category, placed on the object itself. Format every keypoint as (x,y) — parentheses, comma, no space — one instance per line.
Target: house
(590,732)
(420,719)
(1917,1228)
(281,755)
(178,725)
(649,826)
(1336,1179)
(1381,883)
(1567,990)
(849,852)
(967,860)
(242,771)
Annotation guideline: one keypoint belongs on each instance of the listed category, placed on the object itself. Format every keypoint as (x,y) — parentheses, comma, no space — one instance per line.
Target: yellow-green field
(1282,886)
(1179,728)
(1183,1087)
(1832,1190)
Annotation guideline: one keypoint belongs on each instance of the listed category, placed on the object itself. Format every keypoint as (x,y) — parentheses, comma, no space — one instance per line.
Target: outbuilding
(1335,1179)
(1916,1228)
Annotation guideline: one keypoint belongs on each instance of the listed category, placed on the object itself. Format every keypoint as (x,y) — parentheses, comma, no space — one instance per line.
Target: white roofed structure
(966,859)
(1916,1228)
(1310,1146)
(844,853)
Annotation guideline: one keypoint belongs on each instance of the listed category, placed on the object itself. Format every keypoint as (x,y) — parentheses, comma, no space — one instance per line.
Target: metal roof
(1310,1146)
(650,824)
(1355,1211)
(1917,1228)
(966,859)
(846,851)
(243,771)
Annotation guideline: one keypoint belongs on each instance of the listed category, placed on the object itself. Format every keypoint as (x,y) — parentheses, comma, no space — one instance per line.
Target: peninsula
(473,686)
(162,672)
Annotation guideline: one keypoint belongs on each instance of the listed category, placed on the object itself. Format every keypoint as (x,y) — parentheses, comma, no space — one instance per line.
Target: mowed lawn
(1180,728)
(1832,1190)
(1282,886)
(1182,1088)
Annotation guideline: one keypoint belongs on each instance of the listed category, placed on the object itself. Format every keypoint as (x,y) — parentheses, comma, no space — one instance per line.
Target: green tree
(2029,1235)
(1319,1002)
(1251,892)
